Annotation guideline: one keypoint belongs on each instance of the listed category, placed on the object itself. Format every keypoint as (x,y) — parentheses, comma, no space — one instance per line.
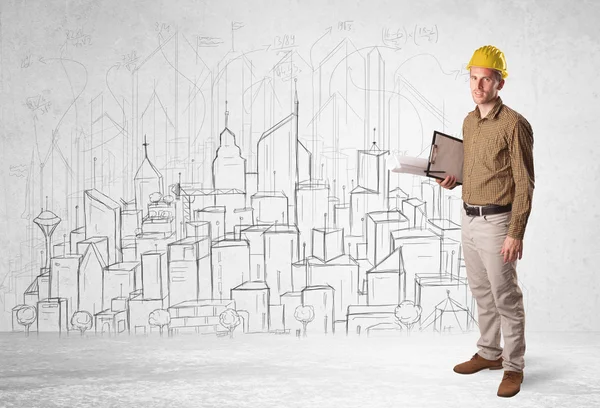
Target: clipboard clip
(433,155)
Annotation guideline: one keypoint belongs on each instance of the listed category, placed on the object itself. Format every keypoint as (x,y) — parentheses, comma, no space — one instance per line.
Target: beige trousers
(495,288)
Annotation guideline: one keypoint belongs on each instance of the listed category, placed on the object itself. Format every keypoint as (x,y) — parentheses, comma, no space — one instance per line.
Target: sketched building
(379,226)
(90,275)
(321,298)
(312,205)
(140,310)
(76,236)
(113,320)
(155,241)
(278,160)
(361,318)
(270,207)
(228,167)
(190,270)
(196,229)
(254,235)
(281,250)
(103,219)
(160,218)
(199,316)
(253,298)
(119,280)
(299,274)
(290,301)
(386,282)
(449,315)
(215,215)
(64,279)
(327,243)
(371,193)
(229,175)
(147,180)
(154,275)
(341,274)
(421,254)
(231,266)
(52,315)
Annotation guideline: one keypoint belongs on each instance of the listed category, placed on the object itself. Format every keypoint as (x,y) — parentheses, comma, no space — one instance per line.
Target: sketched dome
(47,218)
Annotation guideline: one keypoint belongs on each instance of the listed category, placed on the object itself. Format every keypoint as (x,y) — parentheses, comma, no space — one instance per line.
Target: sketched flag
(20,170)
(236,25)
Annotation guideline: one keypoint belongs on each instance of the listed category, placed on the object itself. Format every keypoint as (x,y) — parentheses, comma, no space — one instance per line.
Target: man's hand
(511,249)
(448,183)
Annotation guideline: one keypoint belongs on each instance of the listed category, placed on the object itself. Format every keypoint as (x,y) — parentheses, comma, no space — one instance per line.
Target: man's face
(484,85)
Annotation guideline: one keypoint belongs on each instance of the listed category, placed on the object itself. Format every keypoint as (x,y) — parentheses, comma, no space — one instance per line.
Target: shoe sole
(483,368)
(508,396)
(512,395)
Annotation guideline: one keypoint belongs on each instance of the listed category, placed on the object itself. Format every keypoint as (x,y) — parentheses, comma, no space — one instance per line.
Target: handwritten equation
(129,61)
(161,28)
(78,38)
(281,42)
(418,35)
(38,104)
(29,59)
(287,70)
(346,25)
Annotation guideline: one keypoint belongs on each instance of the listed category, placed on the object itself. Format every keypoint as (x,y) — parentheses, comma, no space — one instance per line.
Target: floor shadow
(540,370)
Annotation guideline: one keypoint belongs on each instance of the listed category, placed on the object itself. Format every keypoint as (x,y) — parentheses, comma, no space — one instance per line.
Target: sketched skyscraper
(228,167)
(277,158)
(147,180)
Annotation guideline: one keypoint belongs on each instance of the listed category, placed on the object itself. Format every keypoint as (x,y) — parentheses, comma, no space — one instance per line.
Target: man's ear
(501,84)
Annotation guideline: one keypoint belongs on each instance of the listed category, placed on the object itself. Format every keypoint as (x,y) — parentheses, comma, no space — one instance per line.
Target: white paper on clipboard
(405,164)
(446,157)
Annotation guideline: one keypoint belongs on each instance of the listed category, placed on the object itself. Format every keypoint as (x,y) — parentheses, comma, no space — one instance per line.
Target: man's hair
(497,75)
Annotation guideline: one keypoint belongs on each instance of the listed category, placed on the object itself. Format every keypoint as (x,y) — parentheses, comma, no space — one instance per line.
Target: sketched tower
(277,158)
(147,180)
(47,221)
(228,167)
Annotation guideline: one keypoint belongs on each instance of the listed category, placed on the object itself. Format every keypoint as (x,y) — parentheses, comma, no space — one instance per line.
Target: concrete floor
(390,370)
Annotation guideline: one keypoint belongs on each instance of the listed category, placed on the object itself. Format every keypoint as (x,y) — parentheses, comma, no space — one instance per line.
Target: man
(497,191)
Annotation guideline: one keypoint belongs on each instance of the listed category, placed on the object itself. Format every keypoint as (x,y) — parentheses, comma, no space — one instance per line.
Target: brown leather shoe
(511,383)
(477,363)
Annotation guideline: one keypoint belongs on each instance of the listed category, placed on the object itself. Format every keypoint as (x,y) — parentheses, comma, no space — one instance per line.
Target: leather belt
(486,209)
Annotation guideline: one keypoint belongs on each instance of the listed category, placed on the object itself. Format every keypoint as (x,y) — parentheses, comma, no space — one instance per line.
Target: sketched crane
(188,193)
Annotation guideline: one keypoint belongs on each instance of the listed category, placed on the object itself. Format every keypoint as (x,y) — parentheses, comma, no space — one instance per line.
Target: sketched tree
(155,197)
(168,199)
(230,319)
(26,315)
(82,321)
(159,318)
(408,314)
(304,314)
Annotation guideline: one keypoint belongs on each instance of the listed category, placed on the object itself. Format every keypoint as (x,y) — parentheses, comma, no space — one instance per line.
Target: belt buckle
(473,211)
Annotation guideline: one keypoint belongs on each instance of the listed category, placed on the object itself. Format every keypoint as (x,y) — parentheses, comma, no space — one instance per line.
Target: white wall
(552,50)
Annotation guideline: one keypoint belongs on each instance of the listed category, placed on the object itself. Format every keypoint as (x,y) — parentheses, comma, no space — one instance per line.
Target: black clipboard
(445,157)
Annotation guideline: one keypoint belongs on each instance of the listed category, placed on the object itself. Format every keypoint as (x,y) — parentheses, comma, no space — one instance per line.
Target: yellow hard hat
(489,56)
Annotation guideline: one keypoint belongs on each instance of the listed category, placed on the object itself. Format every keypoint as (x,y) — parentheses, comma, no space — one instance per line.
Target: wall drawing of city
(197,185)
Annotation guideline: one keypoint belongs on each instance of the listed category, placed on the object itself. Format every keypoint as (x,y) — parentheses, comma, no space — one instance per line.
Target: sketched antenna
(47,221)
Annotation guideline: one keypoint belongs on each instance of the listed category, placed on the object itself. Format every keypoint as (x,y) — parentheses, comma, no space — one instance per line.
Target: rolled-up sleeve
(521,161)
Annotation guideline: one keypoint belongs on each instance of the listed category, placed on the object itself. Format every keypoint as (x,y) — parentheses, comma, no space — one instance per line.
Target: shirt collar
(493,113)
